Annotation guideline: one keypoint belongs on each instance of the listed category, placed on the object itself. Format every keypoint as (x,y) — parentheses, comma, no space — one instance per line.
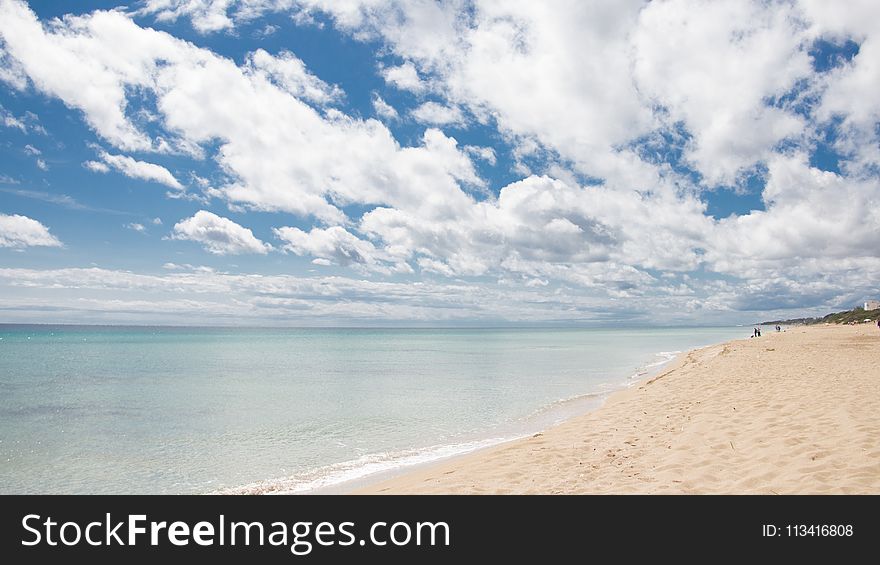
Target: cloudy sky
(358,162)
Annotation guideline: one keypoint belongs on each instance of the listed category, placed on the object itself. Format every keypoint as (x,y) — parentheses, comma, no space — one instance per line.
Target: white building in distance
(872,304)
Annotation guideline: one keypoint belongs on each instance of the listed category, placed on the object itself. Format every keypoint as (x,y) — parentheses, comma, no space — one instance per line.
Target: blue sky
(420,163)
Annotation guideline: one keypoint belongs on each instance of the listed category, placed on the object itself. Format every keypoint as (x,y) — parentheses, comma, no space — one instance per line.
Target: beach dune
(792,412)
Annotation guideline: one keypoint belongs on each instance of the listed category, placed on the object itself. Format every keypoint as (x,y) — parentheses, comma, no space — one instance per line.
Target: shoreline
(366,484)
(593,401)
(350,476)
(804,424)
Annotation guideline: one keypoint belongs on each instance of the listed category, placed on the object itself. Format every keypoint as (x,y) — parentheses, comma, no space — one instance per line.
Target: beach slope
(792,412)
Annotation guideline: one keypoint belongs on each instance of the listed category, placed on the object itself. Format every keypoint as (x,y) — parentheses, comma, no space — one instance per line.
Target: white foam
(366,465)
(660,359)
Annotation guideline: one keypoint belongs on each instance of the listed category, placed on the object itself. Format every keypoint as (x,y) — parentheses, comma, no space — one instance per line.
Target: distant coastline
(857,315)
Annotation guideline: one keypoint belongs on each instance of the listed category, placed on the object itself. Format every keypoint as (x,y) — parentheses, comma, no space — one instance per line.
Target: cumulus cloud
(542,226)
(206,15)
(134,226)
(134,169)
(18,232)
(739,69)
(804,229)
(404,77)
(486,154)
(723,105)
(437,114)
(218,235)
(559,73)
(11,73)
(278,153)
(338,246)
(96,166)
(621,119)
(289,73)
(95,87)
(384,109)
(847,90)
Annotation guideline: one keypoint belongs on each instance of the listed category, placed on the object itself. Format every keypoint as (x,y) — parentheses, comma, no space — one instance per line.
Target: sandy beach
(787,413)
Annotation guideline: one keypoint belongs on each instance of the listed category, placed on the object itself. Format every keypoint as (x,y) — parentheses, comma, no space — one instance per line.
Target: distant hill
(791,322)
(856,315)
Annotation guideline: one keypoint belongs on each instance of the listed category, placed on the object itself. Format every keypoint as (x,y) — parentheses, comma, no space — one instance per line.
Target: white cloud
(42,165)
(188,267)
(436,114)
(576,90)
(96,166)
(278,153)
(718,88)
(336,245)
(816,222)
(11,121)
(206,15)
(384,109)
(543,226)
(848,91)
(218,235)
(486,154)
(289,73)
(134,226)
(404,77)
(134,169)
(11,72)
(94,295)
(20,231)
(211,16)
(95,86)
(156,221)
(31,150)
(267,31)
(558,73)
(544,70)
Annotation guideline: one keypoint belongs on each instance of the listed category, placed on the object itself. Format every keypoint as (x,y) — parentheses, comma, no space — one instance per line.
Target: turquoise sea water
(195,410)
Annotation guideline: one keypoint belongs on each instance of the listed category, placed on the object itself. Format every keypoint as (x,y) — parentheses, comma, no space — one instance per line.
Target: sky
(485,162)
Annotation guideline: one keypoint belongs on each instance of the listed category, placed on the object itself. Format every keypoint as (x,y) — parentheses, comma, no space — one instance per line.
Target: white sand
(796,412)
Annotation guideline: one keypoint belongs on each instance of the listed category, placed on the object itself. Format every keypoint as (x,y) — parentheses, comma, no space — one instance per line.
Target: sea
(177,410)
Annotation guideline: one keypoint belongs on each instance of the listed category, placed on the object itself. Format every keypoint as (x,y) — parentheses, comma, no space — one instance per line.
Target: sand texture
(795,412)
